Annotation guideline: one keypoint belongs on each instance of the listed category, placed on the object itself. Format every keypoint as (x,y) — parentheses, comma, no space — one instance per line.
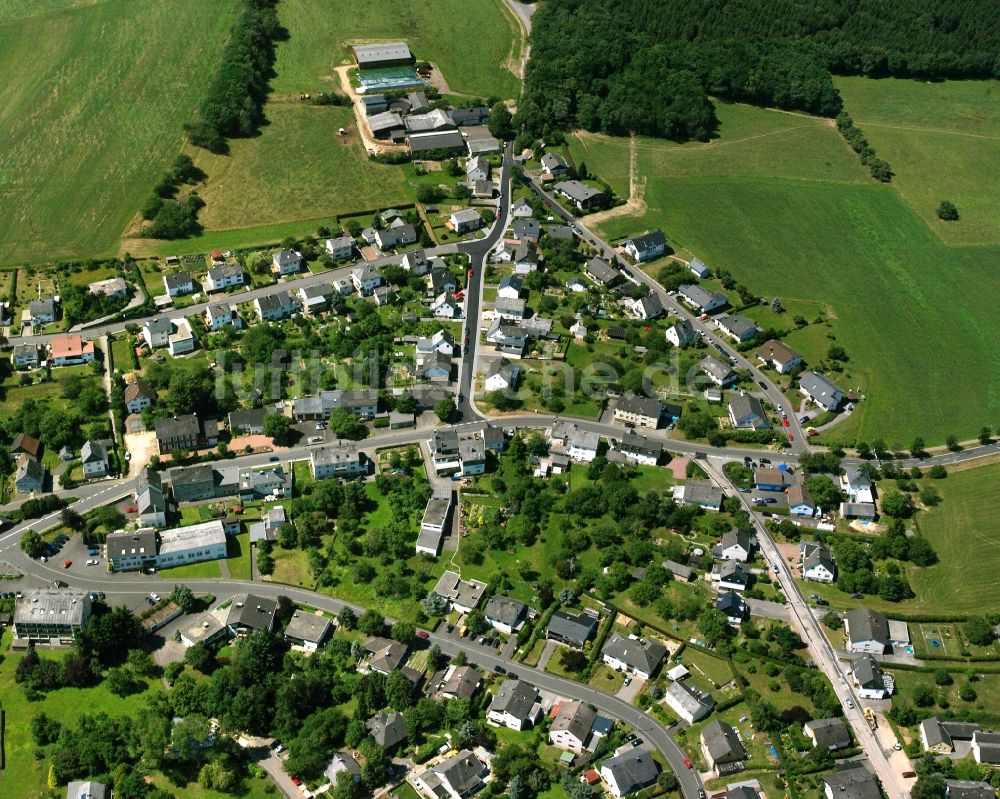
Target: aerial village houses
(70,350)
(178,284)
(647,247)
(286,262)
(778,355)
(224,276)
(640,411)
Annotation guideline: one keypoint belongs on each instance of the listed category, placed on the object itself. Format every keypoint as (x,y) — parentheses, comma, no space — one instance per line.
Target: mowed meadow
(782,203)
(92,104)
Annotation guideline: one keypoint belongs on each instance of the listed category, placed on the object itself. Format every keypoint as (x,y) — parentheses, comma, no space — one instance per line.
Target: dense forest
(651,67)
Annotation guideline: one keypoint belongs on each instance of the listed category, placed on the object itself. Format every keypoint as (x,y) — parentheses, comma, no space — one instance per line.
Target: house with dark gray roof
(821,390)
(733,605)
(515,705)
(647,247)
(968,789)
(458,682)
(388,729)
(853,782)
(457,777)
(986,747)
(828,734)
(817,562)
(308,630)
(571,726)
(718,372)
(249,613)
(639,656)
(868,678)
(600,271)
(504,614)
(629,772)
(721,745)
(747,412)
(867,630)
(701,493)
(582,196)
(384,654)
(681,333)
(570,629)
(688,702)
(638,410)
(738,328)
(701,300)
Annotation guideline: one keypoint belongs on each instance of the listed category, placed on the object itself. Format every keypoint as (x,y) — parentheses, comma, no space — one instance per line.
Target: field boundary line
(944,131)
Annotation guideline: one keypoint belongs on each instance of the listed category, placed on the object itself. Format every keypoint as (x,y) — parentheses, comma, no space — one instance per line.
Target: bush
(947,211)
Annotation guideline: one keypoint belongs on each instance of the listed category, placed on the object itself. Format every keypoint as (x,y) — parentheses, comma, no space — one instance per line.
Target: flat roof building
(50,615)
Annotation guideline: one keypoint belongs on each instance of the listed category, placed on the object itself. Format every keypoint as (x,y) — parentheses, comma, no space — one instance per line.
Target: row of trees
(880,169)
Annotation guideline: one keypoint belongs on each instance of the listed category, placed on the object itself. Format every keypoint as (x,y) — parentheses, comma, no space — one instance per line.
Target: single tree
(947,211)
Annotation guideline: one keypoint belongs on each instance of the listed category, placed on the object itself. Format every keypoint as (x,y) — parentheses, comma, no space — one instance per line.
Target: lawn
(193,571)
(299,168)
(984,708)
(942,141)
(24,777)
(965,532)
(238,556)
(93,109)
(782,204)
(471,43)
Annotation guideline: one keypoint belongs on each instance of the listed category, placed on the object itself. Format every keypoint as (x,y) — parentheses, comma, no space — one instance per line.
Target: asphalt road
(478,251)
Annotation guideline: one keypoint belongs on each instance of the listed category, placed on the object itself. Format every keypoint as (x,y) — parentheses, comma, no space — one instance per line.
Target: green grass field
(965,532)
(299,168)
(92,104)
(781,203)
(470,42)
(943,142)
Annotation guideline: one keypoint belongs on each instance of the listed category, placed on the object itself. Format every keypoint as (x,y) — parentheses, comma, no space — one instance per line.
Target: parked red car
(688,763)
(295,780)
(67,564)
(471,272)
(423,634)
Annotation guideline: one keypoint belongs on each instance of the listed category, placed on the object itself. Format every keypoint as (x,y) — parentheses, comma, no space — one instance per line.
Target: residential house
(501,375)
(441,279)
(458,682)
(182,340)
(220,314)
(445,306)
(571,726)
(515,706)
(821,390)
(342,763)
(194,483)
(509,309)
(733,606)
(817,562)
(721,746)
(384,655)
(483,189)
(417,262)
(640,449)
(968,789)
(731,574)
(829,734)
(316,299)
(457,777)
(340,248)
(521,209)
(701,300)
(638,656)
(112,288)
(856,483)
(778,355)
(26,356)
(688,702)
(800,501)
(183,432)
(177,284)
(477,168)
(526,258)
(678,570)
(342,459)
(248,421)
(603,273)
(249,613)
(465,221)
(527,230)
(767,478)
(648,307)
(571,629)
(88,789)
(509,339)
(853,782)
(735,545)
(277,306)
(504,614)
(698,268)
(156,332)
(554,165)
(738,328)
(463,595)
(510,287)
(366,278)
(701,493)
(43,311)
(582,196)
(436,366)
(868,678)
(939,736)
(639,411)
(220,278)
(70,350)
(399,233)
(745,411)
(442,343)
(681,333)
(138,396)
(986,747)
(867,630)
(388,729)
(629,772)
(94,459)
(150,503)
(29,474)
(718,372)
(647,247)
(286,262)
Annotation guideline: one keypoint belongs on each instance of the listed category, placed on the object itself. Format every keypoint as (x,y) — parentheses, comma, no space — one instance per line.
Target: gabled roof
(632,770)
(388,729)
(640,654)
(777,351)
(573,627)
(93,452)
(515,698)
(576,718)
(867,673)
(649,241)
(855,782)
(865,624)
(829,732)
(505,610)
(722,742)
(640,406)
